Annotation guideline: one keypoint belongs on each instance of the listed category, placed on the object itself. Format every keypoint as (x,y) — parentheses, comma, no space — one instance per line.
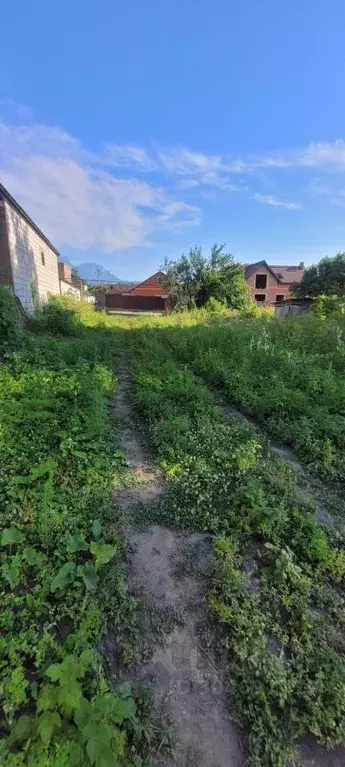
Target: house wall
(70,290)
(151,287)
(32,280)
(135,303)
(5,258)
(65,272)
(273,289)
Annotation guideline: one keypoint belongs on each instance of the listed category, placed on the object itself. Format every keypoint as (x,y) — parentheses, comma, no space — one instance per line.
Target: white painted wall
(68,289)
(31,278)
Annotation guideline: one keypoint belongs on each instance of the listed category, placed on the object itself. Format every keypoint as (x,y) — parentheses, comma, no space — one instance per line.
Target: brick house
(28,260)
(271,283)
(149,295)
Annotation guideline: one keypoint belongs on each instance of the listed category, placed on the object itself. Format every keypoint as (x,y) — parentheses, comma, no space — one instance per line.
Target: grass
(277,584)
(62,578)
(288,375)
(277,576)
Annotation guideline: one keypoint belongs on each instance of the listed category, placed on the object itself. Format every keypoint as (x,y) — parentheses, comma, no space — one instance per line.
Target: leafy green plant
(59,466)
(103,553)
(279,614)
(10,325)
(58,318)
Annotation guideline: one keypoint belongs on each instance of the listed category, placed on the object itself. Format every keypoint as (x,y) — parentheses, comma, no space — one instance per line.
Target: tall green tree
(327,278)
(195,278)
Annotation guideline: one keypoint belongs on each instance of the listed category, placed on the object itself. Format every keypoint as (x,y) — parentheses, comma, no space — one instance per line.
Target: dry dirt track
(188,689)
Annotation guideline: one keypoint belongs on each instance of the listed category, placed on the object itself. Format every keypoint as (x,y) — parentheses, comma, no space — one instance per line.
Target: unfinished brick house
(149,295)
(271,283)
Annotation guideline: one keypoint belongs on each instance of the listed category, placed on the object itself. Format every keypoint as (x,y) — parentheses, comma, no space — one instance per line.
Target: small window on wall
(43,259)
(260,297)
(280,297)
(261,281)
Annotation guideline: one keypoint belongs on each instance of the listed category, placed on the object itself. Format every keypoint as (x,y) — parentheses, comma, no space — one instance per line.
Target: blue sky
(131,130)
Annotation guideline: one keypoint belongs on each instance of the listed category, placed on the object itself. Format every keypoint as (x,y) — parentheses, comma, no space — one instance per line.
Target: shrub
(329,306)
(10,325)
(214,306)
(57,318)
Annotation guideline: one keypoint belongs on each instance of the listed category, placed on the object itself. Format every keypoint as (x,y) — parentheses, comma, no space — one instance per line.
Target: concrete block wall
(34,264)
(68,289)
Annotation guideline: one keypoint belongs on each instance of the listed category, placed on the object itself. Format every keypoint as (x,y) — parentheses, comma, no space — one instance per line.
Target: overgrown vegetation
(288,375)
(325,278)
(277,585)
(194,279)
(61,577)
(276,591)
(10,326)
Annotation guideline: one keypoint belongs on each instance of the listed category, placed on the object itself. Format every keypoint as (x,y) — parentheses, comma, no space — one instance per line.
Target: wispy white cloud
(191,169)
(334,194)
(122,195)
(182,161)
(270,199)
(128,156)
(330,155)
(77,200)
(13,108)
(202,168)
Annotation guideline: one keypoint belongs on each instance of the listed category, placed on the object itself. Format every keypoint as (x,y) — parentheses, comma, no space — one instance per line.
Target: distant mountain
(96,273)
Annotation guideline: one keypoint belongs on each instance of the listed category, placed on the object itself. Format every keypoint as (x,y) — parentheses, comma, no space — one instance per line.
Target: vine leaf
(77,543)
(96,529)
(54,671)
(103,552)
(64,577)
(47,723)
(11,535)
(33,557)
(22,729)
(88,574)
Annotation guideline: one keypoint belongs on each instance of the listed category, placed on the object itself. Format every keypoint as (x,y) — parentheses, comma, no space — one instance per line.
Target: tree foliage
(95,290)
(327,278)
(194,279)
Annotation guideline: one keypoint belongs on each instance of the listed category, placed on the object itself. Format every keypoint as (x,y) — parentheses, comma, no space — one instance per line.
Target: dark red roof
(288,273)
(151,286)
(122,287)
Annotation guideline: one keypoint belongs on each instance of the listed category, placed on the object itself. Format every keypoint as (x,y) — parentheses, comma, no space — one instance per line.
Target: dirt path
(188,688)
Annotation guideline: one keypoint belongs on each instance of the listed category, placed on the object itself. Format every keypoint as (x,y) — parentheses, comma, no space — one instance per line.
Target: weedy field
(62,582)
(276,586)
(288,375)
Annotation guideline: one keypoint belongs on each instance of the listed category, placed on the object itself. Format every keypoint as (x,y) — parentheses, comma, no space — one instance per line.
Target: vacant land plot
(272,584)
